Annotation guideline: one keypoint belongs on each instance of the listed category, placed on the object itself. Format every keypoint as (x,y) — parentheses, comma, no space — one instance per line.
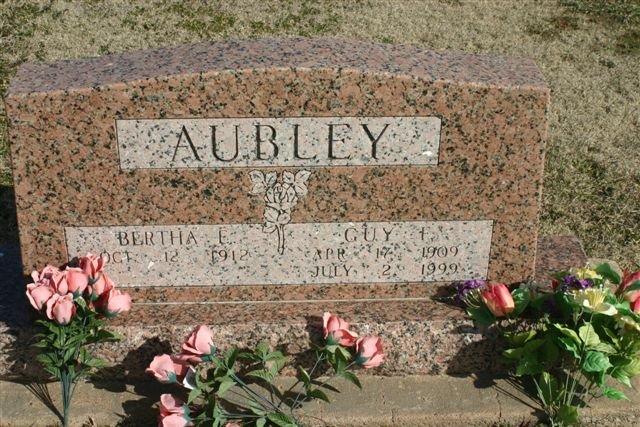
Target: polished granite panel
(68,172)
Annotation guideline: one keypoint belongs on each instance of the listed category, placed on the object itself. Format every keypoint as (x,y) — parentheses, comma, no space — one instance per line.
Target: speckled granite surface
(67,170)
(278,54)
(423,336)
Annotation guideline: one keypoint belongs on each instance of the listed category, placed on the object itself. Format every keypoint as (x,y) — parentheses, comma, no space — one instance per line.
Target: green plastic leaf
(549,389)
(80,302)
(256,408)
(260,373)
(568,333)
(105,336)
(632,368)
(481,315)
(276,364)
(533,345)
(262,349)
(318,394)
(193,395)
(261,422)
(230,357)
(589,336)
(245,355)
(549,352)
(604,347)
(47,359)
(513,353)
(340,363)
(529,364)
(606,271)
(620,377)
(568,415)
(304,376)
(274,355)
(96,363)
(594,361)
(224,386)
(569,345)
(281,420)
(539,303)
(518,339)
(521,299)
(565,304)
(613,393)
(352,378)
(344,353)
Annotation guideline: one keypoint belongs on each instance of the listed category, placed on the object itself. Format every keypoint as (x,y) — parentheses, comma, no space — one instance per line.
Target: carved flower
(261,181)
(281,196)
(297,181)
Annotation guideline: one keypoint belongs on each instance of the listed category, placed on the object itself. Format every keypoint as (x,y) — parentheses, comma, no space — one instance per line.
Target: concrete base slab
(384,401)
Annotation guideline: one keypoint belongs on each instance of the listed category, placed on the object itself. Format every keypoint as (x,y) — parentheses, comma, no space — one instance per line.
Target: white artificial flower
(592,300)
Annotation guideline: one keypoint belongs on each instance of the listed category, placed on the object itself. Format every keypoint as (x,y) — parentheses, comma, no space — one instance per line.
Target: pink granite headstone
(259,181)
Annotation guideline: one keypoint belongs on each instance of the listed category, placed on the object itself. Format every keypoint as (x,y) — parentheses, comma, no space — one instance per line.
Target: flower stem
(66,382)
(315,366)
(254,393)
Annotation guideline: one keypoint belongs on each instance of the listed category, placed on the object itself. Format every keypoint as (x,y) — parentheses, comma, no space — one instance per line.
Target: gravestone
(252,184)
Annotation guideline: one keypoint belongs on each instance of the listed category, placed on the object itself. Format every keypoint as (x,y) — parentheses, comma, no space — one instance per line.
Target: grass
(589,52)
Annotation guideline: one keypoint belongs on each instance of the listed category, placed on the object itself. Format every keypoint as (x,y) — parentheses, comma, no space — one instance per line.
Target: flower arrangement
(569,341)
(225,389)
(74,304)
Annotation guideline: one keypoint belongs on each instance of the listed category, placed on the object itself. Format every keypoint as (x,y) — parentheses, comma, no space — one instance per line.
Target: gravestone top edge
(283,53)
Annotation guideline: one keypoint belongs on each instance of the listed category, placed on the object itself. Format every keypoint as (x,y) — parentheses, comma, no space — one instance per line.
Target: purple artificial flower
(463,288)
(572,283)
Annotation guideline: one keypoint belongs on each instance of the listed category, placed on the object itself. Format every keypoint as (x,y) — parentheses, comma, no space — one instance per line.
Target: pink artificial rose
(634,300)
(168,369)
(232,424)
(77,280)
(498,299)
(173,412)
(102,285)
(337,330)
(169,404)
(39,294)
(174,420)
(92,265)
(198,344)
(61,308)
(54,278)
(46,272)
(114,302)
(627,279)
(369,352)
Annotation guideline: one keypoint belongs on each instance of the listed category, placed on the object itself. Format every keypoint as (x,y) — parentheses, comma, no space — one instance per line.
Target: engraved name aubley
(296,142)
(243,254)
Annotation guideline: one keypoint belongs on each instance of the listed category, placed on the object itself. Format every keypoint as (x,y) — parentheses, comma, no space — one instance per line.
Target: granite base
(423,335)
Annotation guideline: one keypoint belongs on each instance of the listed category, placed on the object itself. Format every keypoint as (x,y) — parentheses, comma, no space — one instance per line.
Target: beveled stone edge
(435,65)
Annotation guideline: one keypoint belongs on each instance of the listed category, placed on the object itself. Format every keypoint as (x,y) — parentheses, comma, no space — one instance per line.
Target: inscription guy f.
(280,198)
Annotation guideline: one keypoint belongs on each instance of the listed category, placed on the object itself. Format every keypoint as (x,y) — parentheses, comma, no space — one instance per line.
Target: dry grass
(589,52)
